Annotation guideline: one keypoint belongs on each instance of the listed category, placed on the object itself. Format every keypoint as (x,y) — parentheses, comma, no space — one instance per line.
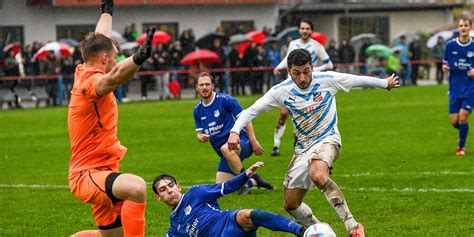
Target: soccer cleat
(243,190)
(460,151)
(275,151)
(302,230)
(359,232)
(261,183)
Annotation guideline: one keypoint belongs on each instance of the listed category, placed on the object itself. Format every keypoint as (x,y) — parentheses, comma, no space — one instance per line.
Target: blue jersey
(217,118)
(460,59)
(199,214)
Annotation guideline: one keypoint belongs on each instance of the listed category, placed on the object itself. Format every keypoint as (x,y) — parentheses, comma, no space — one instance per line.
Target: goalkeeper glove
(107,6)
(144,52)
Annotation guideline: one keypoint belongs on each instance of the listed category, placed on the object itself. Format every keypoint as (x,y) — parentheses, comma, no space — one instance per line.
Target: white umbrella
(409,36)
(118,37)
(361,37)
(58,49)
(433,40)
(239,38)
(128,45)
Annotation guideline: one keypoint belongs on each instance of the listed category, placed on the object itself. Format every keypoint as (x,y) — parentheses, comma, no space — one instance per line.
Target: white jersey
(312,110)
(317,51)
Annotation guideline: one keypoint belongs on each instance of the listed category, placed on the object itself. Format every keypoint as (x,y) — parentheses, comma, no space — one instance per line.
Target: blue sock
(249,183)
(463,130)
(274,221)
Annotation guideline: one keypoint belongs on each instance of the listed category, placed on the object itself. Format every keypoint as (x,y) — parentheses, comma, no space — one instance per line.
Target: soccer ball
(319,230)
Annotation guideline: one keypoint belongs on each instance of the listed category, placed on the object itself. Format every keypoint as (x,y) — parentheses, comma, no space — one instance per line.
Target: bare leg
(233,159)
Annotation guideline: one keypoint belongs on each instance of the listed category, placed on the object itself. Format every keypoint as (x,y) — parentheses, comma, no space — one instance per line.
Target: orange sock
(133,218)
(87,233)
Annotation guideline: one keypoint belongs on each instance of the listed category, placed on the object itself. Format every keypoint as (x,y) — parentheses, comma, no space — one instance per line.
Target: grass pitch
(397,167)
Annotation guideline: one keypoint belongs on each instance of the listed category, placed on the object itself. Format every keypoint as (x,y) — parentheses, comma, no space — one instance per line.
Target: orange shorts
(94,186)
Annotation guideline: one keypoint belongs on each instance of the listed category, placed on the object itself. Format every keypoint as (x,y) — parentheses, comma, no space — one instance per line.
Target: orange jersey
(92,123)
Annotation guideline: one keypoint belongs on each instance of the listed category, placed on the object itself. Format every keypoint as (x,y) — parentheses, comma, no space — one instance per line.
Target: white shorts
(297,175)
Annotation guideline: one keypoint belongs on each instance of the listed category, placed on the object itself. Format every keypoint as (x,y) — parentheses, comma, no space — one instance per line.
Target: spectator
(176,54)
(438,54)
(235,61)
(219,76)
(333,53)
(415,52)
(161,58)
(148,65)
(405,61)
(51,66)
(346,56)
(374,66)
(363,57)
(272,59)
(188,41)
(11,69)
(250,61)
(392,65)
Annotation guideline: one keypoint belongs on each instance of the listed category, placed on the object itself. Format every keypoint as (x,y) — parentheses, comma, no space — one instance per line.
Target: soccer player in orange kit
(118,200)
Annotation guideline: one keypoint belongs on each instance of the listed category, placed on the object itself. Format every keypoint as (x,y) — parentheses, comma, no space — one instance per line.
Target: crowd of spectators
(167,79)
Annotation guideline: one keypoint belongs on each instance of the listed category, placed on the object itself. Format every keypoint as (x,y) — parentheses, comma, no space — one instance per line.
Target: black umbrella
(207,41)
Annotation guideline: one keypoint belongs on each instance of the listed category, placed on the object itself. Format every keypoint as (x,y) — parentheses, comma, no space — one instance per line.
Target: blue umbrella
(290,31)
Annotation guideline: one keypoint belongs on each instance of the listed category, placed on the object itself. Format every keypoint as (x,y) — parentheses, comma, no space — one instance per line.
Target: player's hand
(256,148)
(470,73)
(392,82)
(144,52)
(445,67)
(234,141)
(107,6)
(252,169)
(204,137)
(276,72)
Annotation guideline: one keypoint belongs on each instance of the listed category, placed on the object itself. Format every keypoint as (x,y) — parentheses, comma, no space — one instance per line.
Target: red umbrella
(58,48)
(15,47)
(321,38)
(204,56)
(158,37)
(257,36)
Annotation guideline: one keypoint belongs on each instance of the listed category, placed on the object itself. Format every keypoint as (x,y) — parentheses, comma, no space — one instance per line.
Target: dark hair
(465,19)
(162,177)
(307,22)
(299,57)
(94,44)
(205,74)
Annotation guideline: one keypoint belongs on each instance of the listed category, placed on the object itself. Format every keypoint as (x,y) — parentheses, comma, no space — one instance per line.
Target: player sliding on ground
(197,212)
(310,98)
(118,200)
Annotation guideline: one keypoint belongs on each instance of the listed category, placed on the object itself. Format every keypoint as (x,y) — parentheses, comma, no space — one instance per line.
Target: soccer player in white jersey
(318,55)
(310,99)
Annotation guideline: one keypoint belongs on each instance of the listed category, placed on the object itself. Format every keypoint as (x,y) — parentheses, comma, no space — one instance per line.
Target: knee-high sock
(303,215)
(87,233)
(335,197)
(133,218)
(274,221)
(279,131)
(463,130)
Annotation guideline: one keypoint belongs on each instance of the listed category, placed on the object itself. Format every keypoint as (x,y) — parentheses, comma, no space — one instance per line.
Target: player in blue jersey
(458,61)
(310,98)
(197,212)
(319,56)
(214,116)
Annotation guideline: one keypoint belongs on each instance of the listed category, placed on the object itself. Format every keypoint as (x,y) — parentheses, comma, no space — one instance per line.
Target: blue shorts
(245,152)
(231,228)
(456,104)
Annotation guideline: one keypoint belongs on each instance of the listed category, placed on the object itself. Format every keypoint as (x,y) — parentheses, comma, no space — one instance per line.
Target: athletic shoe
(302,230)
(261,183)
(275,151)
(460,152)
(243,190)
(359,232)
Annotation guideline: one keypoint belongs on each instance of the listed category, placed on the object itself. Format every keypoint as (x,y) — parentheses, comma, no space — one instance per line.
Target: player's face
(168,192)
(305,31)
(301,75)
(111,59)
(464,28)
(204,87)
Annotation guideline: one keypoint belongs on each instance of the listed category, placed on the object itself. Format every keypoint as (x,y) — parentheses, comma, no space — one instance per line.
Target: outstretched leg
(249,220)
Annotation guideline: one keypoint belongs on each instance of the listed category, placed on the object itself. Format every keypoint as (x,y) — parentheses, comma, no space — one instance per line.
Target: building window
(236,27)
(352,26)
(76,32)
(11,34)
(169,27)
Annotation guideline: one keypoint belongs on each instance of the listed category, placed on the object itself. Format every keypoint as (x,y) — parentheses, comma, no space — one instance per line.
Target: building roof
(318,7)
